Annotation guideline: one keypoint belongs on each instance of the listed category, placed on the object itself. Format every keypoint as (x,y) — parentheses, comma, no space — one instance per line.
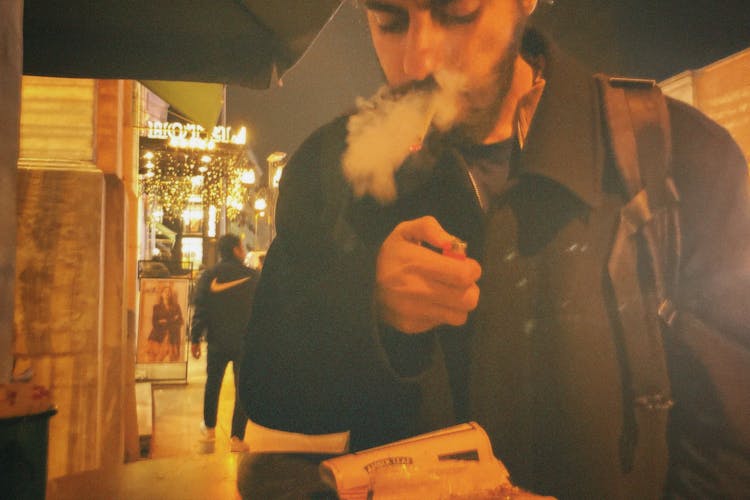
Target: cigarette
(432,110)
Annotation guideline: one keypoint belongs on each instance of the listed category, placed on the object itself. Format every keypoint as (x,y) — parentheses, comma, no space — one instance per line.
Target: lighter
(456,248)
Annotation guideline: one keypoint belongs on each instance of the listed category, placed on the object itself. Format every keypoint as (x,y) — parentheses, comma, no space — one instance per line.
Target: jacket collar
(564,139)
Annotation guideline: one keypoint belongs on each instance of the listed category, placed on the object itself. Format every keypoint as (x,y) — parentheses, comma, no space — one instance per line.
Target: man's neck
(523,79)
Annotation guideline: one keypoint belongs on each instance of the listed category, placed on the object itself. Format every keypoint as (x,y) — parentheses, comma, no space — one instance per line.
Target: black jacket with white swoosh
(222,305)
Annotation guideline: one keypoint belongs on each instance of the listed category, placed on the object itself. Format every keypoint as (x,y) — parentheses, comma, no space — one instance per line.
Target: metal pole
(223,218)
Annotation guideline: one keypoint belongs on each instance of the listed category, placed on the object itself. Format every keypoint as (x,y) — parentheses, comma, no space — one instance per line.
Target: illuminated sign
(192,136)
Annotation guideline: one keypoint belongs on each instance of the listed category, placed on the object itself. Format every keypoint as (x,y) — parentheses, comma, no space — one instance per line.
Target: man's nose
(421,52)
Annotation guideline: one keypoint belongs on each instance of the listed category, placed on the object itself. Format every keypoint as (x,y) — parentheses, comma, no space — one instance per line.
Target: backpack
(661,346)
(641,274)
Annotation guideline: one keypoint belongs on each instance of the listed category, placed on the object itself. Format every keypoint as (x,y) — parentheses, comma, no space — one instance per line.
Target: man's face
(240,252)
(476,39)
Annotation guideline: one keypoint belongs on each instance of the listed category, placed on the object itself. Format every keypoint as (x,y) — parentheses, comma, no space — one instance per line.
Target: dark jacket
(539,364)
(222,304)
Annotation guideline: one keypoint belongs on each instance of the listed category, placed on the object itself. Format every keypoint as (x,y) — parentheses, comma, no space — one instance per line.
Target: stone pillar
(75,265)
(114,157)
(59,307)
(11,41)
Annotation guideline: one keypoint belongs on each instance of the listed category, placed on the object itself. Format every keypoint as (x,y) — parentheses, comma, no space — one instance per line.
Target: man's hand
(195,349)
(417,288)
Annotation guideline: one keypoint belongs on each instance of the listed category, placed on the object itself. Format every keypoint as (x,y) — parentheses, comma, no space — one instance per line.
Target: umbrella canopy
(245,42)
(242,41)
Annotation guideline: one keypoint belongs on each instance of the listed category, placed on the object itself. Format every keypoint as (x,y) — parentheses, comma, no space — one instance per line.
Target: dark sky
(646,38)
(338,67)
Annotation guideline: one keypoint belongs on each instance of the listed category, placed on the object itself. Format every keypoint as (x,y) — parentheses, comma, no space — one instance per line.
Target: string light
(247,176)
(260,204)
(169,175)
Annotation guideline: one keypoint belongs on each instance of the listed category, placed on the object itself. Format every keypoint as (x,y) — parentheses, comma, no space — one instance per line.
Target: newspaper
(446,463)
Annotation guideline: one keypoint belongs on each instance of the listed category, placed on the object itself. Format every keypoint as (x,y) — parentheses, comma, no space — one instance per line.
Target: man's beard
(480,107)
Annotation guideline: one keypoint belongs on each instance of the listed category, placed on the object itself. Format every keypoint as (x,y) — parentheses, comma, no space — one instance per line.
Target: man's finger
(440,294)
(416,316)
(428,230)
(424,230)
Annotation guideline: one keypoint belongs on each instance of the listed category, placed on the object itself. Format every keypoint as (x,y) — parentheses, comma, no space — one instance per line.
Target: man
(360,324)
(222,304)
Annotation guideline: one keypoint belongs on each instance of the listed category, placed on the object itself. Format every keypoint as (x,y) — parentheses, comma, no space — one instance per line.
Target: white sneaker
(209,434)
(238,445)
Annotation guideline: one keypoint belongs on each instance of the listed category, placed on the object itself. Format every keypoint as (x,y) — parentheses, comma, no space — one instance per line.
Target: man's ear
(529,6)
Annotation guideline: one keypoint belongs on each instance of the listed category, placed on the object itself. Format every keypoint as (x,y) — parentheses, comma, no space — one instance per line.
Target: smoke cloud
(388,126)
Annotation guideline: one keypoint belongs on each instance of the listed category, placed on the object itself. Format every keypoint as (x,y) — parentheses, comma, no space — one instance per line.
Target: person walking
(222,306)
(488,133)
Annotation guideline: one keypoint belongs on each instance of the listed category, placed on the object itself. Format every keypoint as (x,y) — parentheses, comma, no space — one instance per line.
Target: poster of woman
(162,321)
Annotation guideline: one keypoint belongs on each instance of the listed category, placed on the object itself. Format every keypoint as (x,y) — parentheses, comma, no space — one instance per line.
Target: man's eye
(458,12)
(389,22)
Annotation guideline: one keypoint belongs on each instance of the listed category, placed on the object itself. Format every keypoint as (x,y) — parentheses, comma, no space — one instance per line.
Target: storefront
(194,186)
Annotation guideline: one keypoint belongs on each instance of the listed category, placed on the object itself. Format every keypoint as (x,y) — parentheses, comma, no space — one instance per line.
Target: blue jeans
(216,364)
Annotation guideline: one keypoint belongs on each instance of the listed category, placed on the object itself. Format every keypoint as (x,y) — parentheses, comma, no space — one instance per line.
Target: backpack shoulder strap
(643,262)
(640,139)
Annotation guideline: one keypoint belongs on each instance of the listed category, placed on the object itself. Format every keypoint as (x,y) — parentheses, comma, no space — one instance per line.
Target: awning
(199,102)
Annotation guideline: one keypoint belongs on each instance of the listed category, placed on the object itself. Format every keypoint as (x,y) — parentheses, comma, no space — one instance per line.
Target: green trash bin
(23,455)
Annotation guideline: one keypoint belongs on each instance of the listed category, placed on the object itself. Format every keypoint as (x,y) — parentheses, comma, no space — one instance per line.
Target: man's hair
(227,244)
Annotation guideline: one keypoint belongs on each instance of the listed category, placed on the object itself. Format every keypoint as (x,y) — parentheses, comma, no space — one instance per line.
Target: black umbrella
(244,42)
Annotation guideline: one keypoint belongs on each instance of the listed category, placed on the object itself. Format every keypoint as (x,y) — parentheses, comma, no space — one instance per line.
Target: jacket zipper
(475,187)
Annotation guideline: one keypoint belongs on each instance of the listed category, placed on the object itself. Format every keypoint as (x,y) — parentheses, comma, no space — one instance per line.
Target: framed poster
(163,320)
